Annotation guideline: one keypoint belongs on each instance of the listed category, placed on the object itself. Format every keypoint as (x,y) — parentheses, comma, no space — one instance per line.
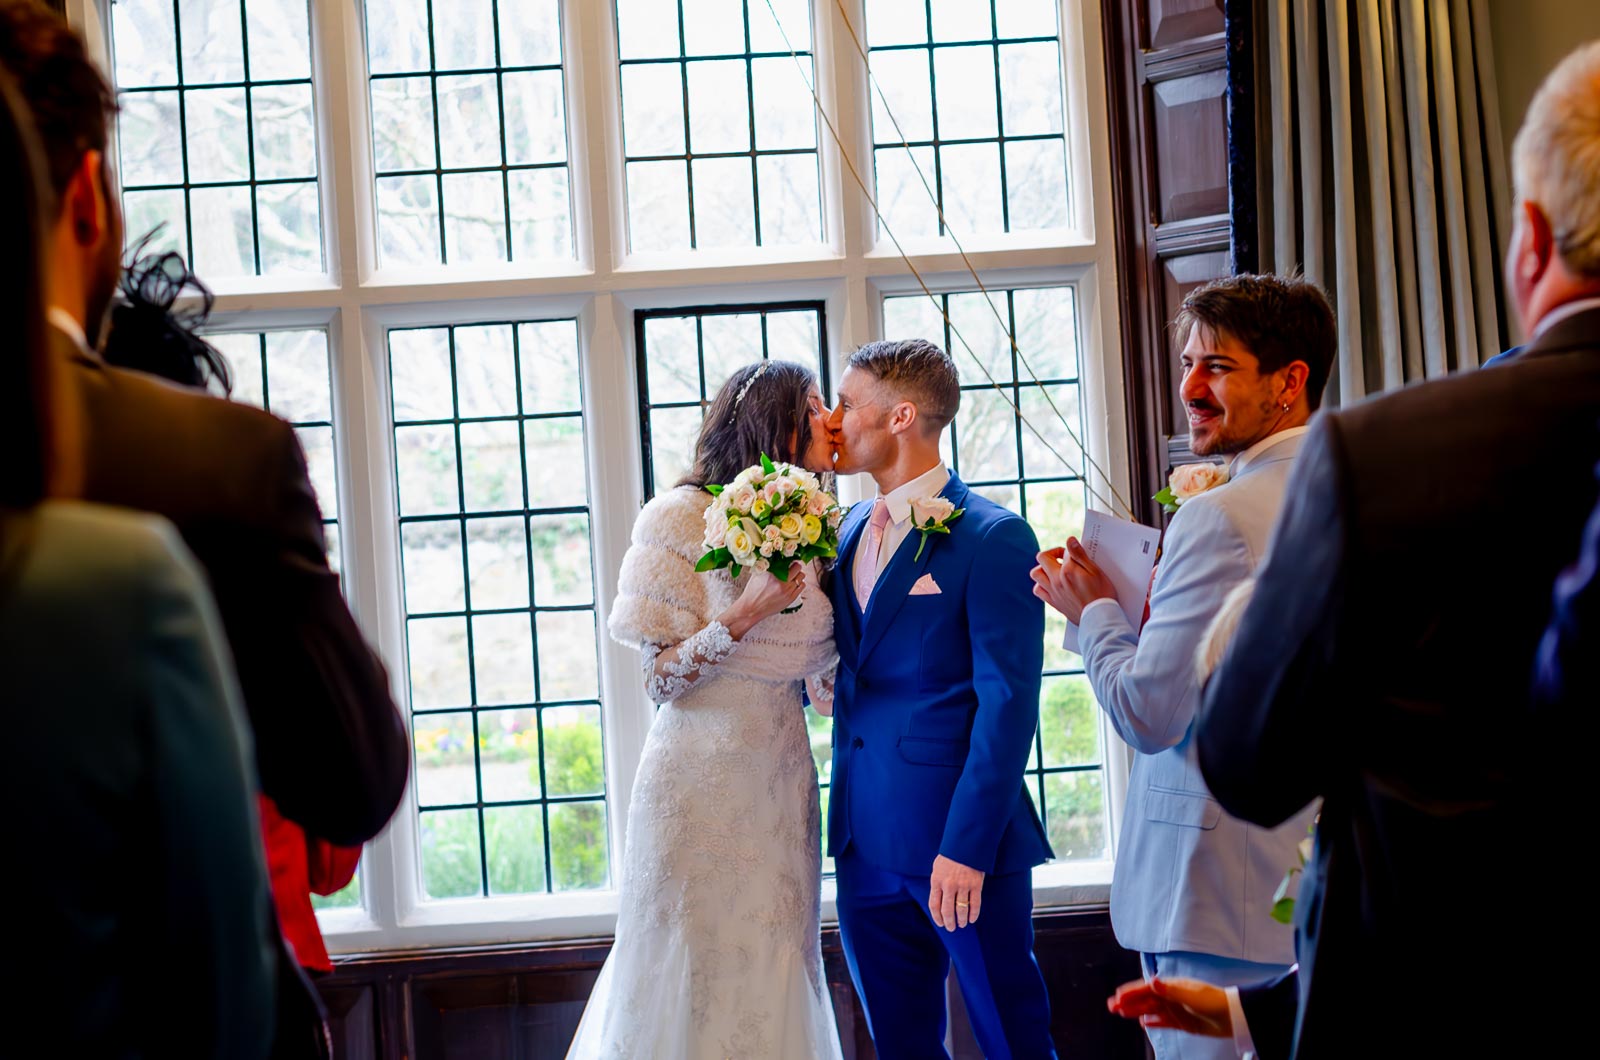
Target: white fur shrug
(661,601)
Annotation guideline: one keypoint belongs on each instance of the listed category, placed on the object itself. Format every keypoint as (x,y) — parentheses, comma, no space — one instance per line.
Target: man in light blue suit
(1193,888)
(936,704)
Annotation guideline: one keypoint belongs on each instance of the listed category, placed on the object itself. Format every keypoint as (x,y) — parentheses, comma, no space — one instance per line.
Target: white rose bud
(936,508)
(1190,480)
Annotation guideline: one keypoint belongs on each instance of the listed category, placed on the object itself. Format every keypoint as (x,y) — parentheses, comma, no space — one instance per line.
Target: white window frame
(359,301)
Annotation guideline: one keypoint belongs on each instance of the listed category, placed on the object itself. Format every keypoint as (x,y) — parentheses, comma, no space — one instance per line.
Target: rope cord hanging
(861,183)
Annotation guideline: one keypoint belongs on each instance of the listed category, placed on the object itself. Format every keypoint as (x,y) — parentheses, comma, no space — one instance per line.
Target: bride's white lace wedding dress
(717,951)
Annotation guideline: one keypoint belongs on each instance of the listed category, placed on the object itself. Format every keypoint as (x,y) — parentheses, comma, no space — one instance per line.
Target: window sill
(498,921)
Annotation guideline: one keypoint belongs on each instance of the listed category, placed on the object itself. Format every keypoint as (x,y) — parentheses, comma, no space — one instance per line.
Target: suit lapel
(893,588)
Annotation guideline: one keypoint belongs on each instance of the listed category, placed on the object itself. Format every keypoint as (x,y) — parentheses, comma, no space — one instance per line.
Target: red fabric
(299,865)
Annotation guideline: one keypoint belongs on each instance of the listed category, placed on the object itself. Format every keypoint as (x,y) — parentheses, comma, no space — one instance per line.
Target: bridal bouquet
(767,517)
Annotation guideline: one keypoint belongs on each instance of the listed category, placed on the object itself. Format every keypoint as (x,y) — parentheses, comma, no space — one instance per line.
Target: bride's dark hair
(763,408)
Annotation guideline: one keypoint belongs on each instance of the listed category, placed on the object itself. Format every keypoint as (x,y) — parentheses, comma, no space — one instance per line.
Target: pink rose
(1190,480)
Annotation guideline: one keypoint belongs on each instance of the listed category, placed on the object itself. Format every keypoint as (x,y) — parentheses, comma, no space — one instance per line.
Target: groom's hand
(1068,580)
(954,893)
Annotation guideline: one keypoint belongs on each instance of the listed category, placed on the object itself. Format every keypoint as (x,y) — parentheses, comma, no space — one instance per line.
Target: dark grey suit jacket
(1384,665)
(330,746)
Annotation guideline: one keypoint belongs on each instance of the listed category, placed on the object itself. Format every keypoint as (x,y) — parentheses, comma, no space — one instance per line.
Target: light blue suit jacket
(1189,877)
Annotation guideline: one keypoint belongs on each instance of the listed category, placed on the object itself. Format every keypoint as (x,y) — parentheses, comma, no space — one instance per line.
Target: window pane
(500,606)
(715,191)
(240,138)
(451,851)
(987,94)
(470,150)
(288,374)
(516,849)
(689,353)
(1065,764)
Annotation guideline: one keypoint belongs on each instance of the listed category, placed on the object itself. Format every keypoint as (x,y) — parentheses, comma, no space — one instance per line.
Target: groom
(940,647)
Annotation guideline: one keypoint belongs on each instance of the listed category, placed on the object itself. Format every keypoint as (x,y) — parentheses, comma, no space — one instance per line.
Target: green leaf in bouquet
(717,557)
(715,490)
(767,467)
(780,568)
(1283,910)
(1167,499)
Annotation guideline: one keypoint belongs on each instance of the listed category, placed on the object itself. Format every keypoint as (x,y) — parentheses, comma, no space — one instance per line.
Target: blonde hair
(1555,158)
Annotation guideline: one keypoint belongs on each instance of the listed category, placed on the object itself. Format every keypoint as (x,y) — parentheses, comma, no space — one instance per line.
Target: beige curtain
(1388,185)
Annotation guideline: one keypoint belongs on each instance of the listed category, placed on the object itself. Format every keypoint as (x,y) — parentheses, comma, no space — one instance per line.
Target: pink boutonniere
(1187,482)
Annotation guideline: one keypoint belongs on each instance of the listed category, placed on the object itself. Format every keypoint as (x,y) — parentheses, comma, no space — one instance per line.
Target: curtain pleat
(1387,182)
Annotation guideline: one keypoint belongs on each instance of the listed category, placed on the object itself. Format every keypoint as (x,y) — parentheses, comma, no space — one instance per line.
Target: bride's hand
(763,597)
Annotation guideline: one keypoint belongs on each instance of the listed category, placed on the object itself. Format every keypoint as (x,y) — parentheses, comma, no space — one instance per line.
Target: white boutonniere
(932,515)
(1187,482)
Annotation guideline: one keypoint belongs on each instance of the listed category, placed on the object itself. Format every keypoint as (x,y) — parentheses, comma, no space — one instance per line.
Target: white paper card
(1127,553)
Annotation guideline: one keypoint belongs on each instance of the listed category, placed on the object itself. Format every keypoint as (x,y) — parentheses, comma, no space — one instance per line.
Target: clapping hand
(1177,1004)
(1068,580)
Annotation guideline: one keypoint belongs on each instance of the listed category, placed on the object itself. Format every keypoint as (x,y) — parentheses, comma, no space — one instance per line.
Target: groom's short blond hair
(917,371)
(1555,158)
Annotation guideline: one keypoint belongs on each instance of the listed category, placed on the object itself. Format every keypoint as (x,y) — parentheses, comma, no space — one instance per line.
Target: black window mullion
(1000,124)
(250,138)
(544,803)
(505,171)
(183,128)
(438,158)
(688,143)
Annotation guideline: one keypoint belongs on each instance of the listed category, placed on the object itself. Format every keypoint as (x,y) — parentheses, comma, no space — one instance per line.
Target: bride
(717,950)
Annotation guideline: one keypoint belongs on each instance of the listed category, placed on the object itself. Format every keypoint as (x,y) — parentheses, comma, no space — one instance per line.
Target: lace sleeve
(672,670)
(819,689)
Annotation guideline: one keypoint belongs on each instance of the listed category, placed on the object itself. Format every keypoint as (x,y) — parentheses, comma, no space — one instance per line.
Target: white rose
(1188,481)
(741,496)
(747,476)
(742,544)
(834,518)
(791,525)
(784,485)
(791,546)
(716,528)
(936,508)
(818,503)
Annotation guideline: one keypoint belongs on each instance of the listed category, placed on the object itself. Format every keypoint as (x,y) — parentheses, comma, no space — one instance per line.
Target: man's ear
(902,416)
(85,207)
(1535,251)
(1293,377)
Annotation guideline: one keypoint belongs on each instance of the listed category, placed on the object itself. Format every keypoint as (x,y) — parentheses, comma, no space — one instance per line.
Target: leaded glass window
(719,126)
(217,134)
(469,131)
(999,457)
(975,87)
(500,609)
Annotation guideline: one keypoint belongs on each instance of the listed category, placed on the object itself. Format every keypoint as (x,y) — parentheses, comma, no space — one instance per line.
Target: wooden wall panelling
(524,1002)
(1168,90)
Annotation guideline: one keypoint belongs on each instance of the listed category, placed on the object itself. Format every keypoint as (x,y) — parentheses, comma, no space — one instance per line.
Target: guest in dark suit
(138,923)
(1383,663)
(330,746)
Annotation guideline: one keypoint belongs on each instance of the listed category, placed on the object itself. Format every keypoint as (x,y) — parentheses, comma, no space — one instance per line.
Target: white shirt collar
(927,484)
(1241,461)
(1562,312)
(64,322)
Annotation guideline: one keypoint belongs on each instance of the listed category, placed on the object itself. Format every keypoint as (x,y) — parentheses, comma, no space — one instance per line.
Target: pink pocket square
(926,586)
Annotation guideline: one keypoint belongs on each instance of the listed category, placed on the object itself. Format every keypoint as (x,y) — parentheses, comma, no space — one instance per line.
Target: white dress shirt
(927,484)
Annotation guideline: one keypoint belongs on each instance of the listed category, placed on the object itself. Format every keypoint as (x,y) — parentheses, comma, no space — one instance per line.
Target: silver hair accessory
(748,383)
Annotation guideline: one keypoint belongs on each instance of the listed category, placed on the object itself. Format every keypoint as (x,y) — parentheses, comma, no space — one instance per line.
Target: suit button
(856,742)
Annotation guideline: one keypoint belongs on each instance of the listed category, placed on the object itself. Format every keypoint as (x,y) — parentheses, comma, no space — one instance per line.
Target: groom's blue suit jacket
(937,698)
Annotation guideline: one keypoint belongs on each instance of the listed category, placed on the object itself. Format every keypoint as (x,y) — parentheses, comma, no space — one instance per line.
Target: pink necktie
(867,557)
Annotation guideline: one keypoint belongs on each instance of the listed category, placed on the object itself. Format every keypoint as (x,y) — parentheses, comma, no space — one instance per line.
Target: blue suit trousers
(899,959)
